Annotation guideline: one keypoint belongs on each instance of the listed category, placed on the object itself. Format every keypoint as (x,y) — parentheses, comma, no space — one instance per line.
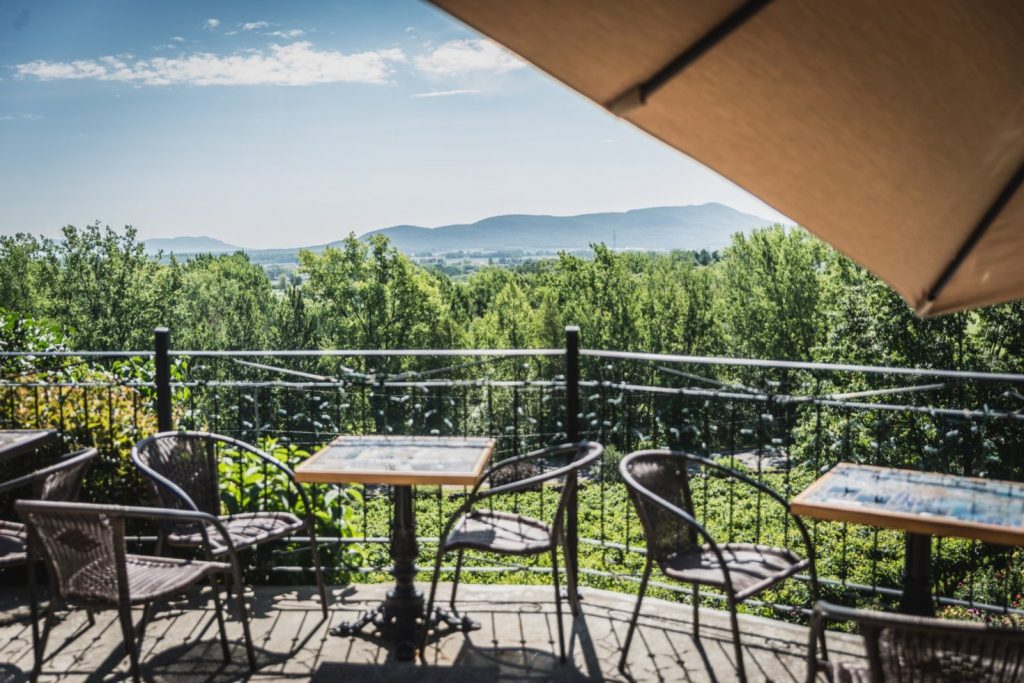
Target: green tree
(222,302)
(770,293)
(100,285)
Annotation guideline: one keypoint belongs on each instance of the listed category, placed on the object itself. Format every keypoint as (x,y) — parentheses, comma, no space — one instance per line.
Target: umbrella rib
(983,225)
(637,95)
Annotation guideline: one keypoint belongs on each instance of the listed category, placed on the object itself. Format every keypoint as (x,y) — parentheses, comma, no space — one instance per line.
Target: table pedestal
(917,581)
(401,615)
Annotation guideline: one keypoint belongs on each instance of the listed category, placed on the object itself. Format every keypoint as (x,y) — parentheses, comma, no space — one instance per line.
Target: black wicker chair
(658,482)
(83,547)
(507,533)
(58,482)
(182,469)
(907,649)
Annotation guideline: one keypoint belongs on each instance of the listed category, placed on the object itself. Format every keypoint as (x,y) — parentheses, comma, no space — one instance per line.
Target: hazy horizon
(267,125)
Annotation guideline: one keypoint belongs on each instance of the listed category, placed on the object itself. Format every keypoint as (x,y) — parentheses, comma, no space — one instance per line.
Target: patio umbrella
(892,130)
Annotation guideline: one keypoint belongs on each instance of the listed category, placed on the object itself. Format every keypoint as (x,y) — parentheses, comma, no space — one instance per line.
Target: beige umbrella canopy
(894,130)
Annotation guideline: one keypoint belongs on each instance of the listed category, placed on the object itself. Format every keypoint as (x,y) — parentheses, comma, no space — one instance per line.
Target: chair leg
(318,569)
(571,590)
(741,671)
(218,607)
(243,615)
(124,614)
(455,582)
(33,610)
(558,604)
(47,625)
(636,615)
(696,610)
(430,604)
(815,596)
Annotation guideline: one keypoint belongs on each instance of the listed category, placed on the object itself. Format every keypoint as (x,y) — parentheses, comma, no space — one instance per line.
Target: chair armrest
(529,482)
(201,518)
(66,461)
(20,482)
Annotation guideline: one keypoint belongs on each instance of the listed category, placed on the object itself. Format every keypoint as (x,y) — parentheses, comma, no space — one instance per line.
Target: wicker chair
(58,482)
(182,470)
(907,649)
(83,547)
(506,533)
(658,482)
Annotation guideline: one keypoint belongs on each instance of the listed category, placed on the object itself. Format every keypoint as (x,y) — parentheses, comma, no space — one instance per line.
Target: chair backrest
(587,453)
(526,475)
(82,546)
(927,650)
(665,474)
(59,482)
(181,468)
(63,480)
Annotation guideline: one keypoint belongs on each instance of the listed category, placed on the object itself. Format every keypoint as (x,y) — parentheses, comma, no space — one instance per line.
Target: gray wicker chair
(58,482)
(183,473)
(83,547)
(479,528)
(906,649)
(658,482)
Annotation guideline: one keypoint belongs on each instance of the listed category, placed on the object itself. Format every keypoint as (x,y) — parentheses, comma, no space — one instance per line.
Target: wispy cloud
(447,93)
(21,117)
(291,65)
(467,56)
(211,23)
(253,25)
(177,39)
(291,33)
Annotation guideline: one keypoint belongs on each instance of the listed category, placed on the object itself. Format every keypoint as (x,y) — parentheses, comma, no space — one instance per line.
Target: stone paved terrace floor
(517,642)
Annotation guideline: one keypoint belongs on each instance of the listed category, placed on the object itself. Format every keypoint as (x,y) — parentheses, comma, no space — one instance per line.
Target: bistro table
(924,504)
(402,462)
(15,442)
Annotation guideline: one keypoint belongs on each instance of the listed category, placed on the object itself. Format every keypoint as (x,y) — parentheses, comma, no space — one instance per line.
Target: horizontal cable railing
(784,422)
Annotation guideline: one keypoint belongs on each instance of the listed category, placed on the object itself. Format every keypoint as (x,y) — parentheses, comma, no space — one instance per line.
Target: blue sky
(271,124)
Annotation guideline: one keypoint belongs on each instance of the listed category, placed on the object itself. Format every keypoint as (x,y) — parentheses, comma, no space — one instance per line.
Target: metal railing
(784,421)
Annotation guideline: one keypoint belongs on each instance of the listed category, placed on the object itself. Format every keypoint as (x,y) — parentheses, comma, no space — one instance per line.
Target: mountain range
(703,226)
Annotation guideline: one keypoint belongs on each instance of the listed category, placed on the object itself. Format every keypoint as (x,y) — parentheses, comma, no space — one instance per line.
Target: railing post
(162,364)
(572,433)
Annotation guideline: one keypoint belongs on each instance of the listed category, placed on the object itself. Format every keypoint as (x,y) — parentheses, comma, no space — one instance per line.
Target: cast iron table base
(401,615)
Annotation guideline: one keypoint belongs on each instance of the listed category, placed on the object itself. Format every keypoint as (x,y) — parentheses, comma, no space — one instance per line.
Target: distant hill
(704,226)
(188,245)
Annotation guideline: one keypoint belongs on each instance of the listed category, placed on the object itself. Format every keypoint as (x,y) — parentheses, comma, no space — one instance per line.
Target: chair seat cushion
(500,532)
(149,578)
(12,544)
(246,530)
(752,568)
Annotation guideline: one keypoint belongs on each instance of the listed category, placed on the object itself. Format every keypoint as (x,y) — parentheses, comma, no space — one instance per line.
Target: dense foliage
(776,293)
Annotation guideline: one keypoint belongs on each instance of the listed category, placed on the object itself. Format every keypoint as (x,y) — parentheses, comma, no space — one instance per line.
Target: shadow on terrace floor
(517,642)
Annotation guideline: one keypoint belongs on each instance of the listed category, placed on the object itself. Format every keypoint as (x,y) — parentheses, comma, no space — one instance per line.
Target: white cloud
(212,23)
(447,93)
(292,33)
(21,117)
(295,64)
(465,56)
(253,25)
(177,39)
